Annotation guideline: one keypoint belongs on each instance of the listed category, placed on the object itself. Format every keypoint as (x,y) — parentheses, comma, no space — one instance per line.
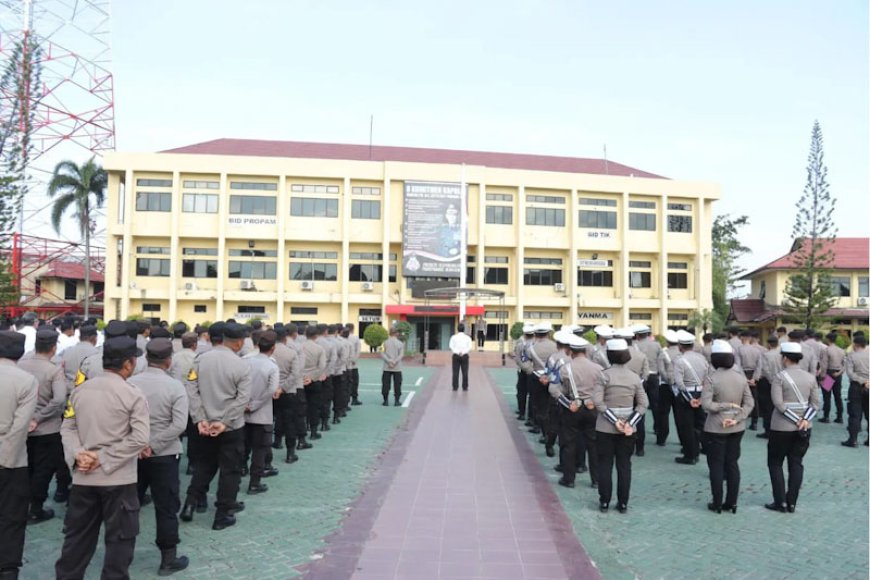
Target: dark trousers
(44,456)
(278,431)
(690,425)
(394,377)
(14,498)
(790,446)
(837,391)
(91,506)
(616,447)
(723,453)
(313,403)
(224,452)
(290,417)
(341,395)
(577,430)
(327,394)
(63,476)
(765,402)
(460,363)
(258,442)
(160,474)
(857,410)
(193,438)
(754,390)
(354,384)
(663,413)
(481,338)
(540,400)
(522,393)
(651,386)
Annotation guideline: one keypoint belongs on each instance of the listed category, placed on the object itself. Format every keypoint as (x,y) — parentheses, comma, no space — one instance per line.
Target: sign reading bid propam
(432,236)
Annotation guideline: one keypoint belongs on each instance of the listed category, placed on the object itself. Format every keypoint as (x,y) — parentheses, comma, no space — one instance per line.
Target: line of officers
(593,398)
(108,421)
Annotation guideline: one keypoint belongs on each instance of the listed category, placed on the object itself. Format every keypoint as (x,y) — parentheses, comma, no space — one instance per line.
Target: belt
(693,389)
(622,412)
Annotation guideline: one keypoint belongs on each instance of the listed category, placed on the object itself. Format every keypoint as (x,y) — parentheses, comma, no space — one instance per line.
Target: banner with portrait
(432,236)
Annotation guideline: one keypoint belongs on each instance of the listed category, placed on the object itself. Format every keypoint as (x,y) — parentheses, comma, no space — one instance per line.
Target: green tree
(808,294)
(403,327)
(82,188)
(706,320)
(516,330)
(727,249)
(8,290)
(375,335)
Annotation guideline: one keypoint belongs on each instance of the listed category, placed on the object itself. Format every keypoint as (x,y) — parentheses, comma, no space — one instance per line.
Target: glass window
(151,308)
(597,201)
(200,308)
(595,278)
(252,205)
(863,286)
(365,273)
(678,280)
(545,216)
(70,289)
(357,190)
(314,255)
(315,207)
(539,277)
(642,204)
(639,280)
(196,184)
(303,310)
(250,253)
(253,270)
(365,209)
(499,214)
(545,199)
(639,264)
(841,286)
(313,271)
(542,315)
(678,265)
(253,185)
(497,260)
(154,182)
(153,201)
(544,261)
(199,203)
(642,221)
(601,220)
(152,250)
(152,267)
(248,309)
(639,316)
(199,251)
(680,223)
(495,276)
(199,268)
(499,197)
(314,188)
(680,206)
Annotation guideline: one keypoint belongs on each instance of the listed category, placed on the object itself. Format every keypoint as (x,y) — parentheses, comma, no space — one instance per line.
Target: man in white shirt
(67,337)
(27,327)
(460,346)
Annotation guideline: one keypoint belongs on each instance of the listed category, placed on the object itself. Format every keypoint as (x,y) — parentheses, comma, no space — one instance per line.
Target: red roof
(297,149)
(70,271)
(849,254)
(745,310)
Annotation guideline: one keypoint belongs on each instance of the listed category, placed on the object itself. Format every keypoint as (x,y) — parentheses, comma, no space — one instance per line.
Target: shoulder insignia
(69,412)
(191,376)
(80,378)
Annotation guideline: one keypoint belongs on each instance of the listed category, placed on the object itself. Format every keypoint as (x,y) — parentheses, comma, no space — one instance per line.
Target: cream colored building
(288,231)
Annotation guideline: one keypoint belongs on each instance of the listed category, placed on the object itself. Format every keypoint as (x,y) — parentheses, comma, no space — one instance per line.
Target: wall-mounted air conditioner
(559,287)
(368,286)
(248,285)
(307,285)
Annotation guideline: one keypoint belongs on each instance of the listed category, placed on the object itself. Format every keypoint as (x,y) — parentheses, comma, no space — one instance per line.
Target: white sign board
(589,264)
(592,315)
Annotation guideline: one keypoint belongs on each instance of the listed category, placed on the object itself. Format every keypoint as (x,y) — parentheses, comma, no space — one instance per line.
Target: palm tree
(73,186)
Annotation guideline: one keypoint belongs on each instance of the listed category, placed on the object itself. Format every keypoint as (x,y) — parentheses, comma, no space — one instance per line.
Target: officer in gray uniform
(835,358)
(538,352)
(178,332)
(768,367)
(290,404)
(340,398)
(219,388)
(653,352)
(552,380)
(354,368)
(667,388)
(18,396)
(392,355)
(313,374)
(517,355)
(73,356)
(265,378)
(204,341)
(640,364)
(158,463)
(182,360)
(858,370)
(327,390)
(603,333)
(93,365)
(795,395)
(728,402)
(105,428)
(750,359)
(808,360)
(621,402)
(689,372)
(44,447)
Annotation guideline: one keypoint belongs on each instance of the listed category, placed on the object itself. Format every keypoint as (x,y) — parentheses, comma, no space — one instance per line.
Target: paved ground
(668,532)
(279,531)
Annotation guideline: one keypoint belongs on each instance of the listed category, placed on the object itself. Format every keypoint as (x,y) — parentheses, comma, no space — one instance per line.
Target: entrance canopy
(459,293)
(454,293)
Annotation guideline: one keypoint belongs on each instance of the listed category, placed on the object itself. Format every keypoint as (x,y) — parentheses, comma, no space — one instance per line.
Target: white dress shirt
(460,343)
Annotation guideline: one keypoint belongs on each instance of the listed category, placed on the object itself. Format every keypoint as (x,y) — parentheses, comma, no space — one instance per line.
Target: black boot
(39,514)
(335,419)
(9,574)
(324,425)
(291,457)
(187,511)
(397,403)
(269,471)
(315,435)
(170,562)
(202,505)
(386,404)
(257,488)
(277,444)
(356,402)
(303,444)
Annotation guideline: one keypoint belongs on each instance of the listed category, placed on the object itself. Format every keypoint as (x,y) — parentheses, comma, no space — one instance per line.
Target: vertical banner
(432,237)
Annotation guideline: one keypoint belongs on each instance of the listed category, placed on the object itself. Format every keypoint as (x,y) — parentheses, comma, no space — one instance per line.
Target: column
(174,217)
(700,283)
(128,256)
(385,247)
(622,228)
(481,236)
(521,250)
(663,263)
(283,258)
(343,264)
(223,215)
(573,237)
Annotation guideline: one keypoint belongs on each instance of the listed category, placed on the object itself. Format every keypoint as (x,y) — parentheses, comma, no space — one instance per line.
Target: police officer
(219,387)
(727,400)
(265,378)
(354,367)
(768,367)
(158,463)
(313,374)
(538,351)
(73,356)
(835,357)
(44,447)
(603,333)
(18,398)
(858,371)
(750,359)
(667,388)
(182,360)
(340,400)
(640,364)
(92,365)
(653,352)
(518,355)
(621,402)
(105,427)
(179,329)
(327,389)
(204,343)
(808,361)
(290,404)
(689,372)
(795,395)
(551,380)
(392,355)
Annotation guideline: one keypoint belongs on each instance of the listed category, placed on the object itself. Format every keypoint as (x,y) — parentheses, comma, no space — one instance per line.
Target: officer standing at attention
(621,402)
(640,364)
(538,353)
(392,355)
(768,367)
(178,332)
(182,360)
(340,397)
(727,401)
(73,356)
(858,371)
(265,378)
(204,342)
(517,355)
(653,352)
(105,428)
(219,387)
(835,357)
(158,463)
(287,408)
(750,360)
(327,389)
(313,375)
(667,388)
(795,395)
(354,367)
(44,446)
(551,380)
(18,396)
(689,372)
(460,346)
(603,333)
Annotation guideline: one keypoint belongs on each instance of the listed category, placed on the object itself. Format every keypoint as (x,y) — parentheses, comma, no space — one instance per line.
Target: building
(306,231)
(849,277)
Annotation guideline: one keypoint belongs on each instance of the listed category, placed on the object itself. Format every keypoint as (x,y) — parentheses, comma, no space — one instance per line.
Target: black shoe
(622,508)
(593,484)
(542,440)
(838,420)
(765,435)
(40,515)
(277,444)
(849,443)
(324,425)
(385,403)
(397,403)
(237,507)
(168,567)
(315,435)
(661,443)
(564,483)
(824,420)
(61,496)
(714,508)
(464,388)
(581,469)
(753,427)
(269,471)
(223,522)
(534,430)
(187,512)
(529,423)
(602,507)
(550,451)
(356,402)
(729,508)
(776,507)
(257,488)
(291,458)
(686,460)
(790,508)
(336,420)
(639,453)
(202,505)
(558,468)
(245,471)
(303,444)
(521,417)
(867,443)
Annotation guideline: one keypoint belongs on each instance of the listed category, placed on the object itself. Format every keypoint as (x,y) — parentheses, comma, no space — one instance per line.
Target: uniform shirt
(599,356)
(638,363)
(809,362)
(783,394)
(264,383)
(18,391)
(689,373)
(289,363)
(107,415)
(749,357)
(858,366)
(341,364)
(167,409)
(652,350)
(394,350)
(707,351)
(579,378)
(247,347)
(51,393)
(295,381)
(618,389)
(92,365)
(354,350)
(669,356)
(176,345)
(314,360)
(219,388)
(724,388)
(182,362)
(203,346)
(517,352)
(555,364)
(460,343)
(769,366)
(539,352)
(72,359)
(823,359)
(836,357)
(329,350)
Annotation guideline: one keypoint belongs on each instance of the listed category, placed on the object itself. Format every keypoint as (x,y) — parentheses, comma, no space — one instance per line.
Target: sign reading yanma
(432,236)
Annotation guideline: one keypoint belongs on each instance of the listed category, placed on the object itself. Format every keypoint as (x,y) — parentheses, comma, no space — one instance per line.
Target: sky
(725,92)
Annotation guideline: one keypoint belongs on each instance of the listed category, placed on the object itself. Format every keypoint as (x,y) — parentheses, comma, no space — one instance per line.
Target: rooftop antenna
(606,166)
(371,131)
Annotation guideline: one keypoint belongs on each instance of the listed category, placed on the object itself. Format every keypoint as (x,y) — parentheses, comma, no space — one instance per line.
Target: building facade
(287,231)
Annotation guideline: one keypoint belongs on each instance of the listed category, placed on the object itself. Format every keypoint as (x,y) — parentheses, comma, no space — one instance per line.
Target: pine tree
(808,293)
(727,249)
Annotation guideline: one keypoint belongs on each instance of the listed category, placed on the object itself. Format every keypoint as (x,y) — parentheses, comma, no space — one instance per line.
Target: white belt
(693,389)
(796,406)
(622,412)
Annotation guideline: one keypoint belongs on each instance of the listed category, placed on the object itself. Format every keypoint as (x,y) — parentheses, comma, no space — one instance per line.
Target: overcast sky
(716,91)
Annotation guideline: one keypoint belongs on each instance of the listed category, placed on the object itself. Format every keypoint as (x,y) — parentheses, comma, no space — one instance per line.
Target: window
(199,203)
(678,265)
(642,221)
(199,251)
(199,268)
(680,206)
(544,261)
(356,190)
(196,184)
(252,185)
(499,214)
(496,260)
(542,315)
(596,201)
(495,275)
(639,316)
(365,273)
(545,199)
(154,182)
(152,267)
(99,287)
(313,271)
(69,289)
(841,286)
(542,216)
(313,207)
(303,310)
(538,277)
(153,201)
(605,220)
(152,250)
(595,278)
(863,286)
(363,209)
(680,224)
(253,270)
(308,188)
(639,264)
(469,274)
(639,280)
(200,308)
(678,280)
(249,253)
(678,316)
(499,197)
(316,255)
(252,205)
(369,256)
(150,308)
(247,309)
(642,204)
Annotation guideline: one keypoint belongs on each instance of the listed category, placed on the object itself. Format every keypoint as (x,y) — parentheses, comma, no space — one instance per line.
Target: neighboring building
(305,231)
(849,277)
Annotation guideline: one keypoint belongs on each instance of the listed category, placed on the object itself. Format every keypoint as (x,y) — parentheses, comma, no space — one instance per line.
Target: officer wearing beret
(290,407)
(105,428)
(313,374)
(158,463)
(18,395)
(179,329)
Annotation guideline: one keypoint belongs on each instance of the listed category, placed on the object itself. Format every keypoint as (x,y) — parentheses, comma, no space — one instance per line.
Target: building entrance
(440,331)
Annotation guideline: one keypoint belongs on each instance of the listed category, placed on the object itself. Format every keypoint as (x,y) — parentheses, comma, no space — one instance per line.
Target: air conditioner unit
(307,285)
(248,285)
(190,286)
(368,286)
(863,301)
(559,287)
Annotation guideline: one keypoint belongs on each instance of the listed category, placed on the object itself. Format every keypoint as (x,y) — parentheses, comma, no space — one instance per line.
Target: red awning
(433,310)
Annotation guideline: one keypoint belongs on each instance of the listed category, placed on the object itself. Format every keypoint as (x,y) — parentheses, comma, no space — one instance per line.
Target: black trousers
(193,437)
(616,447)
(394,377)
(651,386)
(837,391)
(327,394)
(90,507)
(765,402)
(522,393)
(278,431)
(754,390)
(14,498)
(481,338)
(354,384)
(577,430)
(290,415)
(690,425)
(160,474)
(44,457)
(460,363)
(258,442)
(340,396)
(540,401)
(788,446)
(313,392)
(224,453)
(857,410)
(663,413)
(723,453)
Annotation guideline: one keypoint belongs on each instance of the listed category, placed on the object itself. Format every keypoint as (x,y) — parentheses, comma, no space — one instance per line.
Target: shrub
(590,336)
(375,335)
(516,330)
(403,327)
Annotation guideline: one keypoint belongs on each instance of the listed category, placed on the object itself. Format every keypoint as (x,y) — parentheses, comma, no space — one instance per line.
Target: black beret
(159,348)
(120,347)
(67,323)
(268,339)
(280,332)
(46,337)
(234,330)
(133,327)
(199,329)
(160,332)
(179,328)
(11,344)
(115,328)
(216,330)
(87,330)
